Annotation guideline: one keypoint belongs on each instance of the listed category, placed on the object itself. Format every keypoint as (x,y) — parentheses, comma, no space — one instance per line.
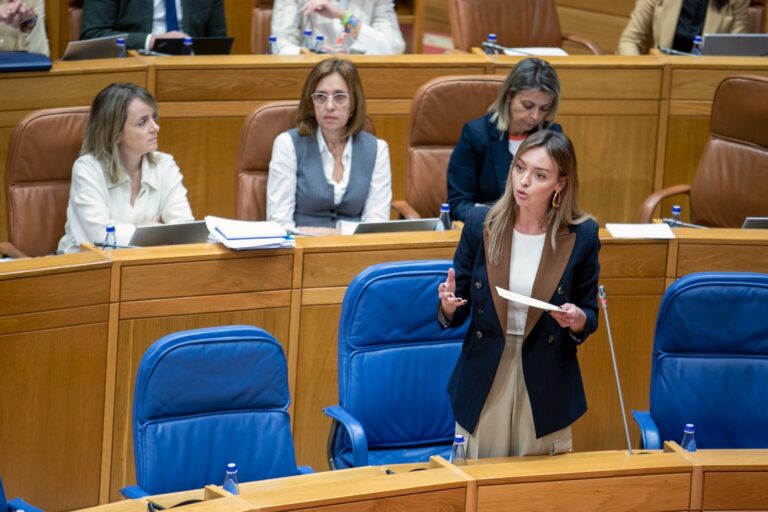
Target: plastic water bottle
(230,479)
(272,45)
(689,438)
(676,210)
(458,451)
(320,43)
(698,45)
(307,41)
(122,52)
(110,240)
(187,47)
(445,218)
(491,40)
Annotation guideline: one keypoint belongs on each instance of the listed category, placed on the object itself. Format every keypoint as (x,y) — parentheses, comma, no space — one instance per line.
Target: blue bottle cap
(320,37)
(445,207)
(697,39)
(231,467)
(492,37)
(689,428)
(458,438)
(676,208)
(110,228)
(307,31)
(121,41)
(272,39)
(187,40)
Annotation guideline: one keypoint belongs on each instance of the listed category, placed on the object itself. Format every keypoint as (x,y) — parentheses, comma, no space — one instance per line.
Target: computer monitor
(755,45)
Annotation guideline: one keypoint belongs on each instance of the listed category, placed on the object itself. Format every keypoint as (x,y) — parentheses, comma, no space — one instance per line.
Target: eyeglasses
(339,98)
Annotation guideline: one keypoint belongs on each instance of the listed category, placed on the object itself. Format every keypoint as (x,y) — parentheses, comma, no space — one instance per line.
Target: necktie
(171,19)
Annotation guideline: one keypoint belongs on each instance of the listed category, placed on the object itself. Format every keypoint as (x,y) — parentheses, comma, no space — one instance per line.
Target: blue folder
(23,61)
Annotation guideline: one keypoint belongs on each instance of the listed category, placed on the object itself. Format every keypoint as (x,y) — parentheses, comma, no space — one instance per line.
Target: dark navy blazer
(479,164)
(568,273)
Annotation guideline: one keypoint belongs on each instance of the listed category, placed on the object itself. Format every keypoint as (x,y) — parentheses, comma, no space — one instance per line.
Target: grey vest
(314,195)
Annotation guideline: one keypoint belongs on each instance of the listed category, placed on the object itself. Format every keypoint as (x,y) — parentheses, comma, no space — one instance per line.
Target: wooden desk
(53,346)
(73,329)
(607,481)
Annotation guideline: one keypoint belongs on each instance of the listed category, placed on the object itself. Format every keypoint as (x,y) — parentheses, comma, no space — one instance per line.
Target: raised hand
(449,303)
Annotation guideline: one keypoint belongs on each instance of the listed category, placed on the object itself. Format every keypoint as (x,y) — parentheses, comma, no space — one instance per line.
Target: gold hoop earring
(556,199)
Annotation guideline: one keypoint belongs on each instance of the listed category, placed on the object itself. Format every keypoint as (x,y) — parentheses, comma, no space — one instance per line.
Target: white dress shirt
(94,202)
(379,35)
(281,182)
(158,20)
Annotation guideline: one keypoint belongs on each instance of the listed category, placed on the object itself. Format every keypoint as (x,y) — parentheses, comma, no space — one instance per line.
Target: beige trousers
(505,427)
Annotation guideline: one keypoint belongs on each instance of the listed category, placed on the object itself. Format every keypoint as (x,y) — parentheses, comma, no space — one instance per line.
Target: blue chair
(207,397)
(15,504)
(394,363)
(710,362)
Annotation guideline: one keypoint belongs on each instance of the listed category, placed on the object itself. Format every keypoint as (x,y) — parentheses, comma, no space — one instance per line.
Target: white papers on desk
(656,231)
(241,235)
(538,51)
(528,301)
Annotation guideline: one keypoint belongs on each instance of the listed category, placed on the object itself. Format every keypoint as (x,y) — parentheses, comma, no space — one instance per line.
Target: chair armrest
(583,41)
(133,492)
(20,504)
(405,210)
(10,250)
(305,470)
(648,430)
(653,200)
(355,432)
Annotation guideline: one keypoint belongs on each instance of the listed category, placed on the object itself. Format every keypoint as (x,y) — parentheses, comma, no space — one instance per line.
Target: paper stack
(241,235)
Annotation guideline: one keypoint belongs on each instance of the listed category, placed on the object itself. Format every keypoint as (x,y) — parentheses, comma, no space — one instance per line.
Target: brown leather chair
(43,147)
(516,23)
(439,110)
(261,25)
(75,19)
(731,181)
(256,139)
(756,16)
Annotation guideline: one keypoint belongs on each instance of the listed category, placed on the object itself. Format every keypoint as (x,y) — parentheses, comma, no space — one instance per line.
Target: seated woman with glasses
(328,169)
(121,178)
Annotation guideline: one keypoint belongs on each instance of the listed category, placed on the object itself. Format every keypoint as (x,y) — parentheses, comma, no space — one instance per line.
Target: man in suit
(143,20)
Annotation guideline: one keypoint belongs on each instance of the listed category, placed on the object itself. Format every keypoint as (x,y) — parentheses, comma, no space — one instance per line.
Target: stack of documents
(240,234)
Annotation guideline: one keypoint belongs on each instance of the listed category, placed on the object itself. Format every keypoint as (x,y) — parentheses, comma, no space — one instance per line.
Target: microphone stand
(604,304)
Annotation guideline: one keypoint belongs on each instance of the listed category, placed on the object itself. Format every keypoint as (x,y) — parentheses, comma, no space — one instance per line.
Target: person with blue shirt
(516,387)
(527,102)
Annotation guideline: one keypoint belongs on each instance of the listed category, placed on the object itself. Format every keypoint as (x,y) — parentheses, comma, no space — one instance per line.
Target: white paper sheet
(656,230)
(528,301)
(551,51)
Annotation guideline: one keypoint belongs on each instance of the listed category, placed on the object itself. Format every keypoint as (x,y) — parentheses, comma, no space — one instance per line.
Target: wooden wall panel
(52,396)
(737,490)
(134,337)
(238,14)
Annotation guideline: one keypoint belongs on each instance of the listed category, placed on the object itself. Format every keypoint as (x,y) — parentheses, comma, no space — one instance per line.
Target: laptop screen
(170,234)
(755,45)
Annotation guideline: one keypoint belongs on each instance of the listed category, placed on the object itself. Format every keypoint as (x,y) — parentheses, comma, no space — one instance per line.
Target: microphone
(604,303)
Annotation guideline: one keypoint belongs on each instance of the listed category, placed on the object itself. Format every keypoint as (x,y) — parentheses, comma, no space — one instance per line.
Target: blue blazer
(568,273)
(479,164)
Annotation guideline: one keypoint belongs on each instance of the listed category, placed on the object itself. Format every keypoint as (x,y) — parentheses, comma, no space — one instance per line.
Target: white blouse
(94,202)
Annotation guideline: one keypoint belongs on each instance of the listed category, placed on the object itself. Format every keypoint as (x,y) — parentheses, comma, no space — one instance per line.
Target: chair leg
(331,442)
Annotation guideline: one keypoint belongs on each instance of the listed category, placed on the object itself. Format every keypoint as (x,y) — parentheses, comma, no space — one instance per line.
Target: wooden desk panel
(53,347)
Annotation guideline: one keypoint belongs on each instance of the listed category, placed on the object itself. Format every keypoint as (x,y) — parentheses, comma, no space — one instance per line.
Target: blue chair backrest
(3,500)
(710,360)
(207,397)
(394,359)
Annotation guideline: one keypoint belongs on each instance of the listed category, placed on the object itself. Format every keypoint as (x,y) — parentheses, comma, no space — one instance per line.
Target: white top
(93,201)
(523,265)
(158,20)
(281,182)
(379,34)
(514,145)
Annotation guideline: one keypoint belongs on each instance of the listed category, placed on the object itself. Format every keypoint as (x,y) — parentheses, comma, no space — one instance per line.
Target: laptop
(170,234)
(755,223)
(201,45)
(755,45)
(396,226)
(99,48)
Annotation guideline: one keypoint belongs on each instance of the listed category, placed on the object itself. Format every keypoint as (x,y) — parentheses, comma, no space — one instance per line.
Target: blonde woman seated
(328,169)
(22,26)
(120,176)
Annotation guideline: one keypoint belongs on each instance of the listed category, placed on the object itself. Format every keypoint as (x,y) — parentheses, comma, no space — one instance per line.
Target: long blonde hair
(109,111)
(503,214)
(528,75)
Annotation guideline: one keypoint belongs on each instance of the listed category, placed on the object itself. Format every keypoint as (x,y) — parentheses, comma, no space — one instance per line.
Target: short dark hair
(305,117)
